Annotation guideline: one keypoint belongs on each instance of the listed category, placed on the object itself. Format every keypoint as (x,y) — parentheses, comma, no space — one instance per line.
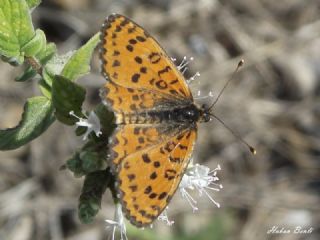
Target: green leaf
(35,45)
(91,161)
(42,55)
(14,61)
(71,65)
(80,130)
(74,164)
(79,64)
(36,118)
(95,184)
(85,162)
(28,74)
(47,53)
(54,67)
(33,3)
(16,29)
(45,89)
(107,120)
(67,96)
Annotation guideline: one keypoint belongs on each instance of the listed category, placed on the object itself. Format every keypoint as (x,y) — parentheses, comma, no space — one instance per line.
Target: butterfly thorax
(180,114)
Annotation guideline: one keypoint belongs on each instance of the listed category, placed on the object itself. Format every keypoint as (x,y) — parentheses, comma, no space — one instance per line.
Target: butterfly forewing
(133,59)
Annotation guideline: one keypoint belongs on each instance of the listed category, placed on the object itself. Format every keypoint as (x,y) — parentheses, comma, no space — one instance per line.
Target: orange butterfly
(156,117)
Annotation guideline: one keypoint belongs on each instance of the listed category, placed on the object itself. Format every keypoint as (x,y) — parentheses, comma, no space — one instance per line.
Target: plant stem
(34,64)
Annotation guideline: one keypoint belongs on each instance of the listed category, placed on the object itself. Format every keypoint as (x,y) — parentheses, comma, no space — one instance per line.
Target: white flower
(92,123)
(164,218)
(118,222)
(202,179)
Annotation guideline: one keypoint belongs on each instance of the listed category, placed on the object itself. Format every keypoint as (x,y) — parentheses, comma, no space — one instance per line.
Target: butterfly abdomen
(186,114)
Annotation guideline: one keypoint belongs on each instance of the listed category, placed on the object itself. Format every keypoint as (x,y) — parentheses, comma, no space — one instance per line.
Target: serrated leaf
(36,45)
(92,161)
(54,67)
(16,28)
(36,118)
(85,162)
(71,65)
(74,164)
(67,96)
(94,186)
(79,64)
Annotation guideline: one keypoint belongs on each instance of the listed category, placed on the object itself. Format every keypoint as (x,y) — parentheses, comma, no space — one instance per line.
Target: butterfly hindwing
(148,179)
(130,138)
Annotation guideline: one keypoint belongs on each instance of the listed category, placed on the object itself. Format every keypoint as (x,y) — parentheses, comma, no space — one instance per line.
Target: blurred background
(273,103)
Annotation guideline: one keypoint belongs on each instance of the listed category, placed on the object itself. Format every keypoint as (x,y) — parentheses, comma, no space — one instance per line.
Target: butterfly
(156,116)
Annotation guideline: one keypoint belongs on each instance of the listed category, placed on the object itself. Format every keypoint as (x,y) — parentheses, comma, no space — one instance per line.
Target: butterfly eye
(190,113)
(207,117)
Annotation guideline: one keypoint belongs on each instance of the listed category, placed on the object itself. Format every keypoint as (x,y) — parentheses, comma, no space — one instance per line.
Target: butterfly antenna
(240,64)
(252,149)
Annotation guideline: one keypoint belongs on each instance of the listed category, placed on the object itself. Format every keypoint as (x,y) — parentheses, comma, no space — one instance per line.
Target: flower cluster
(92,123)
(202,179)
(117,223)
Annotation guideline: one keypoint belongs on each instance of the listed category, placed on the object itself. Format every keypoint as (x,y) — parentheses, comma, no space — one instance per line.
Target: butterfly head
(205,113)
